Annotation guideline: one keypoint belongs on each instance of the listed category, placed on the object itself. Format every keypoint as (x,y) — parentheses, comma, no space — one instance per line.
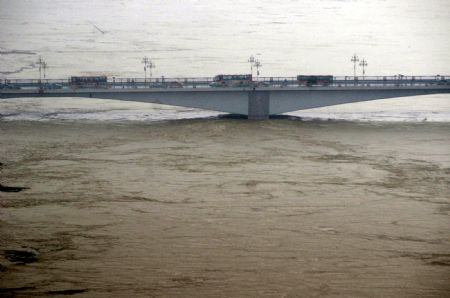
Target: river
(102,198)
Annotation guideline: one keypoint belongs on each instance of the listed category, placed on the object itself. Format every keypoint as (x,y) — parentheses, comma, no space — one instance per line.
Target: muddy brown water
(225,208)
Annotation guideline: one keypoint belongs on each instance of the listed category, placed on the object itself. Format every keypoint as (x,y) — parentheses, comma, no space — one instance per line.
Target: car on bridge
(52,86)
(442,80)
(313,80)
(9,87)
(174,84)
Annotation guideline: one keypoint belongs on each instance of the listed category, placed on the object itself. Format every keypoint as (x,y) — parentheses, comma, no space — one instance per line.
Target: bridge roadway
(258,101)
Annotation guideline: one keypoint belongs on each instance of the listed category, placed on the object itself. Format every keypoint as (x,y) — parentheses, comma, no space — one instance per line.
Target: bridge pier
(258,105)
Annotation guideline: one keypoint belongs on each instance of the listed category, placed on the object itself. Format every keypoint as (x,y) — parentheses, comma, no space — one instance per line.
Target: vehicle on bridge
(89,82)
(442,80)
(309,81)
(173,84)
(9,87)
(244,80)
(51,86)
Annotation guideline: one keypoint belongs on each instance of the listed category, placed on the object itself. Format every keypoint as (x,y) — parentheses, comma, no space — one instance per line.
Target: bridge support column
(258,105)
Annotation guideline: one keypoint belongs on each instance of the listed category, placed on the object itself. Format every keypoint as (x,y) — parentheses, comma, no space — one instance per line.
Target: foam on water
(83,109)
(434,108)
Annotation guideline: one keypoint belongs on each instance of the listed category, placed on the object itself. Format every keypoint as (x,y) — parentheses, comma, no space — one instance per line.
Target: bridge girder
(256,104)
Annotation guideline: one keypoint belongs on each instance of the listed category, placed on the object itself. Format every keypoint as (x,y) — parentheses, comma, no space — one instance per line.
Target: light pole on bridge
(258,65)
(148,64)
(363,63)
(151,65)
(145,61)
(251,60)
(355,60)
(42,67)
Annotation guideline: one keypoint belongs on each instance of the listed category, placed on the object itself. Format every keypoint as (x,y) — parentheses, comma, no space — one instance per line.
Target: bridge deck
(207,83)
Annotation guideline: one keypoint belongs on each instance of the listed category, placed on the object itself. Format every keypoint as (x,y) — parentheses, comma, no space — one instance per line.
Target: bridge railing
(34,81)
(207,82)
(398,80)
(160,82)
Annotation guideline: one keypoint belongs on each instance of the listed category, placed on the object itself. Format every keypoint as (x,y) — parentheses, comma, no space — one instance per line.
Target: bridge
(258,99)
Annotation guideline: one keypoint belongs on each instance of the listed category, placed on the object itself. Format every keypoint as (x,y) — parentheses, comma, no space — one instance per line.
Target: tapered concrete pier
(258,105)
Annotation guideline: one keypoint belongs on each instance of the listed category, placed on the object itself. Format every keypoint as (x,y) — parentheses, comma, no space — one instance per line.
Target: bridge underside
(257,104)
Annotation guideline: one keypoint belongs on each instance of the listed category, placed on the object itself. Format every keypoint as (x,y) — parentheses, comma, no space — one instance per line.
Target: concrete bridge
(258,101)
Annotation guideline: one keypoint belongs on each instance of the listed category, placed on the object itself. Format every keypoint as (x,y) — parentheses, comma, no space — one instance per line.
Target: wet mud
(225,208)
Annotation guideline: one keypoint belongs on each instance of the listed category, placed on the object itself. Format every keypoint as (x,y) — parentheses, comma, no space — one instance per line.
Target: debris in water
(11,188)
(13,290)
(21,256)
(67,292)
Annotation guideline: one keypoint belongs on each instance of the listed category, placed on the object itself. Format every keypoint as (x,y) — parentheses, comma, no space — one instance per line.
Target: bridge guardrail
(206,82)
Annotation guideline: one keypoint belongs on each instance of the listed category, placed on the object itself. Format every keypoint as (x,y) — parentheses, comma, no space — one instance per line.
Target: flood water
(101,198)
(228,208)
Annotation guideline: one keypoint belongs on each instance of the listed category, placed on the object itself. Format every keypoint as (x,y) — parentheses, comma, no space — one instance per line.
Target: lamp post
(257,65)
(41,64)
(251,60)
(44,67)
(354,59)
(148,64)
(363,63)
(145,61)
(151,65)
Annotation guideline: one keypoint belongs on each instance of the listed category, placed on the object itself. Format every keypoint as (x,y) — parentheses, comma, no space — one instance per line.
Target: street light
(145,61)
(42,66)
(257,65)
(363,63)
(251,60)
(147,64)
(151,65)
(354,59)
